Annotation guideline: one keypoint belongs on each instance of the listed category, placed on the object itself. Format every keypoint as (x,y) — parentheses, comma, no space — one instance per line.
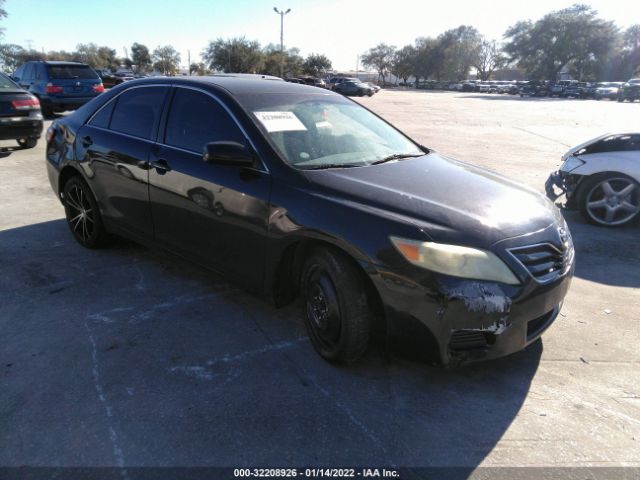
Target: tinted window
(61,72)
(137,111)
(18,72)
(196,119)
(102,118)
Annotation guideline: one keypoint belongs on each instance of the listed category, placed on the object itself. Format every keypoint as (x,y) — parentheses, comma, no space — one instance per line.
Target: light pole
(282,14)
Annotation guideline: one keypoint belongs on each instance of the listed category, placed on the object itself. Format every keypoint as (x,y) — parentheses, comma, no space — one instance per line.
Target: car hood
(449,200)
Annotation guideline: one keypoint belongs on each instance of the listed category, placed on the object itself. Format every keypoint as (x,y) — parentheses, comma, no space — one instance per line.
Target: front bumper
(454,321)
(559,184)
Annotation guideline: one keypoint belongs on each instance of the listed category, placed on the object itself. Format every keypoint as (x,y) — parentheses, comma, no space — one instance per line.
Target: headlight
(570,164)
(455,260)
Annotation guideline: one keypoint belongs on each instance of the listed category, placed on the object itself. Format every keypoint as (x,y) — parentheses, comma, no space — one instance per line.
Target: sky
(340,29)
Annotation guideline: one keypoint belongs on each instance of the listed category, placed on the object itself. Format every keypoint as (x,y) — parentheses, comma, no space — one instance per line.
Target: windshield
(60,72)
(327,131)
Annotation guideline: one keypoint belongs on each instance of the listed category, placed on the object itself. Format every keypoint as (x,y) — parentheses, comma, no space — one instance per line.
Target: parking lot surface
(128,357)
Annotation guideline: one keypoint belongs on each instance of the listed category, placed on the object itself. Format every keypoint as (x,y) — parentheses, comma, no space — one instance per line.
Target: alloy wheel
(81,216)
(613,201)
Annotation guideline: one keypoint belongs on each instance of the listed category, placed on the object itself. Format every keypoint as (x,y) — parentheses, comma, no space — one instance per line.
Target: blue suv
(60,86)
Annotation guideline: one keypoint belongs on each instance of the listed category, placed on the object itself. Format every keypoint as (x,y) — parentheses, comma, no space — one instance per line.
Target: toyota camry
(298,192)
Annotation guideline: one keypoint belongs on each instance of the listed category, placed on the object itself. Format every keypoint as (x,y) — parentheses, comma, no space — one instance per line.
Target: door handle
(161,166)
(86,141)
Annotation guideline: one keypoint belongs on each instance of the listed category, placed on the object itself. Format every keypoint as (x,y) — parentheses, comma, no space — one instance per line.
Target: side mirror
(228,153)
(14,78)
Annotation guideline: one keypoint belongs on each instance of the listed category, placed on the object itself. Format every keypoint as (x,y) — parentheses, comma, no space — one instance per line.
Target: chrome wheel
(613,201)
(80,214)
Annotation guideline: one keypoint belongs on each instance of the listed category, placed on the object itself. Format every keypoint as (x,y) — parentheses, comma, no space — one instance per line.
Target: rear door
(214,214)
(115,144)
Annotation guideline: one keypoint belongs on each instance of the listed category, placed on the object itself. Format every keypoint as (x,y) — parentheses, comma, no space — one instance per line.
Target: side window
(103,117)
(18,72)
(196,119)
(138,110)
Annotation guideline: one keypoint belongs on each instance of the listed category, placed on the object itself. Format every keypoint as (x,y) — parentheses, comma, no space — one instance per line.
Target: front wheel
(337,313)
(610,200)
(83,216)
(27,142)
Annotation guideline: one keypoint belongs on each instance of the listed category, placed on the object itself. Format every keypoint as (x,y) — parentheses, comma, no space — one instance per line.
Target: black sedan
(354,88)
(300,192)
(20,114)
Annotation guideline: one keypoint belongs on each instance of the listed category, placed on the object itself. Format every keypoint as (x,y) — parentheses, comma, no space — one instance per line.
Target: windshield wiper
(397,156)
(332,165)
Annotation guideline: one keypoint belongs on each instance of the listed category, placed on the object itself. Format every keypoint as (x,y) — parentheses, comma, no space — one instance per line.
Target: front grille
(467,340)
(544,261)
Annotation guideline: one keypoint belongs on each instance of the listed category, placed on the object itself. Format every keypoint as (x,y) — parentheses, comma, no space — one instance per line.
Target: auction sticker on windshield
(280,121)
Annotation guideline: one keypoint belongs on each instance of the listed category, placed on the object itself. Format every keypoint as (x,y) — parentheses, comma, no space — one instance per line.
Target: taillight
(26,104)
(98,88)
(51,88)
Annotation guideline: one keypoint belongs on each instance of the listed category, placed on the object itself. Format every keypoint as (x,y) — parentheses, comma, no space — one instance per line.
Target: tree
(380,58)
(488,59)
(237,55)
(460,48)
(428,60)
(197,69)
(316,65)
(166,59)
(3,14)
(140,57)
(12,56)
(293,62)
(402,63)
(573,38)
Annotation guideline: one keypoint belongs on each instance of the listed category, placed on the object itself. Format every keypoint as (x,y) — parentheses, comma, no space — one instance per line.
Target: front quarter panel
(627,163)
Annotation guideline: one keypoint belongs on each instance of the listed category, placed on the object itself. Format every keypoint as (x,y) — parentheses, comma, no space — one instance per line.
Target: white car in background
(601,178)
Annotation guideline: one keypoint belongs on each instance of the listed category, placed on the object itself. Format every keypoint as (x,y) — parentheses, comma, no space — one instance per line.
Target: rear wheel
(610,200)
(27,142)
(83,216)
(337,313)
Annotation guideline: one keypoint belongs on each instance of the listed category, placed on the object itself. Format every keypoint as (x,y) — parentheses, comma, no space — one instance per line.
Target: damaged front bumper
(561,184)
(453,321)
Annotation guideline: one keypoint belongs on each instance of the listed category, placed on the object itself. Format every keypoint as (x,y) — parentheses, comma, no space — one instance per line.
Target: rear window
(73,72)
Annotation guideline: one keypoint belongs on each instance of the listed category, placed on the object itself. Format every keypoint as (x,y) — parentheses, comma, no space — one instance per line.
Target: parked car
(109,79)
(534,88)
(557,89)
(376,88)
(20,115)
(321,188)
(578,90)
(607,90)
(59,86)
(601,178)
(630,90)
(484,87)
(354,88)
(333,81)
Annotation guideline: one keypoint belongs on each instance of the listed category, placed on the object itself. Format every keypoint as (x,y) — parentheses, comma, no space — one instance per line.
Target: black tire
(83,215)
(592,192)
(360,93)
(27,142)
(336,309)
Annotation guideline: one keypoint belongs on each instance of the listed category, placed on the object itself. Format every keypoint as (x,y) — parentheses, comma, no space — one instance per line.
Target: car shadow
(605,255)
(504,97)
(142,354)
(7,151)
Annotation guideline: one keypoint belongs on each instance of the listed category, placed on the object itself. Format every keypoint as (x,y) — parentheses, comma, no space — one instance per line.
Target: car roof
(238,84)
